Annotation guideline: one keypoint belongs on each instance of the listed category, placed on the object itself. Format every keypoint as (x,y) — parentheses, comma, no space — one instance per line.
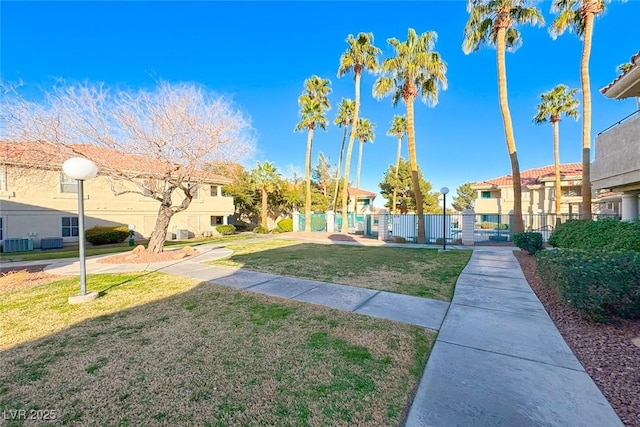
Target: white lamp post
(81,169)
(444,191)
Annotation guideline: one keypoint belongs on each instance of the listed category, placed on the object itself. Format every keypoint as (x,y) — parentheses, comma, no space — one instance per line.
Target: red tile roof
(352,190)
(633,62)
(49,156)
(534,176)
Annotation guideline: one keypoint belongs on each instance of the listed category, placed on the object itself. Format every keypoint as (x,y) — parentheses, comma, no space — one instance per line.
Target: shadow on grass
(210,354)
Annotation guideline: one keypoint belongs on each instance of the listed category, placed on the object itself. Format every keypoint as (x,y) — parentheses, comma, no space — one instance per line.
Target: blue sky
(260,53)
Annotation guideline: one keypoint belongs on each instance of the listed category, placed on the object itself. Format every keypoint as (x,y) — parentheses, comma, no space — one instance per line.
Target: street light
(444,191)
(81,169)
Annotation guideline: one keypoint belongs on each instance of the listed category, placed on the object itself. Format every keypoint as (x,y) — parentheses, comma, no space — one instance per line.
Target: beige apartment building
(365,200)
(616,167)
(38,200)
(495,196)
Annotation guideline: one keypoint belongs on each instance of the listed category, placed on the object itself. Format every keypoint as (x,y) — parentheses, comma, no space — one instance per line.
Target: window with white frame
(69,226)
(3,178)
(68,184)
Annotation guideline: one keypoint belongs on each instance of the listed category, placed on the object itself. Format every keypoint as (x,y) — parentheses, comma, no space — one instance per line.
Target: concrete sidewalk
(499,360)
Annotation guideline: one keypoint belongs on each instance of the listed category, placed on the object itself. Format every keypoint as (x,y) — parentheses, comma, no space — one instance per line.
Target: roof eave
(627,87)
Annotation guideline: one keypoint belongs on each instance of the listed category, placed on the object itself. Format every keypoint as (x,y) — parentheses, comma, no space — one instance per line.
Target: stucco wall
(617,156)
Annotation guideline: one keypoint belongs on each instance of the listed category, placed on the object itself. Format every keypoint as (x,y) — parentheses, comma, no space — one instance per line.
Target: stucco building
(38,200)
(617,149)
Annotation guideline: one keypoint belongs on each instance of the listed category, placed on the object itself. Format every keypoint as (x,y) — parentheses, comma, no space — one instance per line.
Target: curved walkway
(498,359)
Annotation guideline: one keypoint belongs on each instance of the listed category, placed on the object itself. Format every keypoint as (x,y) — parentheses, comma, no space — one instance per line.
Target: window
(216,220)
(366,202)
(525,194)
(69,226)
(1,228)
(486,194)
(3,180)
(68,184)
(216,191)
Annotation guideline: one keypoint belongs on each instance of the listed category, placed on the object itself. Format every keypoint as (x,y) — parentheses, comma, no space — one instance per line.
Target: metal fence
(318,222)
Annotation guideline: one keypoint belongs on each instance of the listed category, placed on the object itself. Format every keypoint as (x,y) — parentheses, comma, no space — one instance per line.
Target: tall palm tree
(360,55)
(365,133)
(493,22)
(343,120)
(314,103)
(398,129)
(578,16)
(559,101)
(415,70)
(266,179)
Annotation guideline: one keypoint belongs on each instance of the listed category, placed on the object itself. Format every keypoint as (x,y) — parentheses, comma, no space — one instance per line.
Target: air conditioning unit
(51,243)
(182,234)
(17,245)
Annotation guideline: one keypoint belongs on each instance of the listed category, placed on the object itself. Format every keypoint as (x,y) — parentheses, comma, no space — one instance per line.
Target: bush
(260,230)
(101,235)
(226,229)
(285,225)
(529,241)
(241,227)
(599,284)
(607,234)
(486,225)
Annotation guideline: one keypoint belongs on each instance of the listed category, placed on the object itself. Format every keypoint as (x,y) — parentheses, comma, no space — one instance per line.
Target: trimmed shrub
(528,241)
(101,235)
(398,239)
(241,227)
(606,234)
(486,225)
(599,284)
(260,230)
(285,225)
(226,229)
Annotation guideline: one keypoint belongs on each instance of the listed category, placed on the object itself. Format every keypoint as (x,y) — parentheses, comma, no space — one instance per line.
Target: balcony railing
(618,122)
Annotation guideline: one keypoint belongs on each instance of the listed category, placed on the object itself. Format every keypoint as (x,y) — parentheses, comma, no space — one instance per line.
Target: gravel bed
(605,350)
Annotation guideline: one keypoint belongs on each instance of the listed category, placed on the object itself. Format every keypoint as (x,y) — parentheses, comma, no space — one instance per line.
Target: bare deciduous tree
(169,134)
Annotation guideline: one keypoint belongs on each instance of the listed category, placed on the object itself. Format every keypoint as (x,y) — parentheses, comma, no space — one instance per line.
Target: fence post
(330,216)
(296,220)
(383,224)
(468,224)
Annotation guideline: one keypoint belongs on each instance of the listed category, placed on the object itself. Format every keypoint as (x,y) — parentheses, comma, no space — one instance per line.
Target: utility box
(182,234)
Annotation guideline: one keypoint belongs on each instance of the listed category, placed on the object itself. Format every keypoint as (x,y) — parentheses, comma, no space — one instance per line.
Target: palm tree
(493,22)
(360,55)
(266,179)
(365,133)
(578,16)
(313,102)
(553,105)
(415,70)
(398,129)
(343,120)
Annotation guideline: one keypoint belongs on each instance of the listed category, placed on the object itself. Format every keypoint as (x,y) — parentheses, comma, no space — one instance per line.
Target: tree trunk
(556,164)
(413,162)
(518,226)
(355,196)
(307,199)
(335,191)
(352,137)
(265,210)
(159,234)
(586,117)
(395,182)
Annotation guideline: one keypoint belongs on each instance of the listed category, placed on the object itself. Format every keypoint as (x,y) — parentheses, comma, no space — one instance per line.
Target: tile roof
(634,62)
(534,176)
(352,190)
(49,156)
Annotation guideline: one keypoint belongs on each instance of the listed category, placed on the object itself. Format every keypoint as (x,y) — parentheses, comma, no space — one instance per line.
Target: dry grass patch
(411,271)
(24,279)
(209,355)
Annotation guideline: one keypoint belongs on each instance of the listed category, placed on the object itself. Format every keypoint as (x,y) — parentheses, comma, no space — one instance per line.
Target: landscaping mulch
(605,350)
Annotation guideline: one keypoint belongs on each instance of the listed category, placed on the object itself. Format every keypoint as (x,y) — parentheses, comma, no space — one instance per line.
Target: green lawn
(159,350)
(38,255)
(412,271)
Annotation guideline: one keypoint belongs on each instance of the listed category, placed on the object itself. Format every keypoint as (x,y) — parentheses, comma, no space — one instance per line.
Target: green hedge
(606,234)
(226,229)
(486,225)
(101,235)
(599,284)
(529,241)
(285,225)
(260,230)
